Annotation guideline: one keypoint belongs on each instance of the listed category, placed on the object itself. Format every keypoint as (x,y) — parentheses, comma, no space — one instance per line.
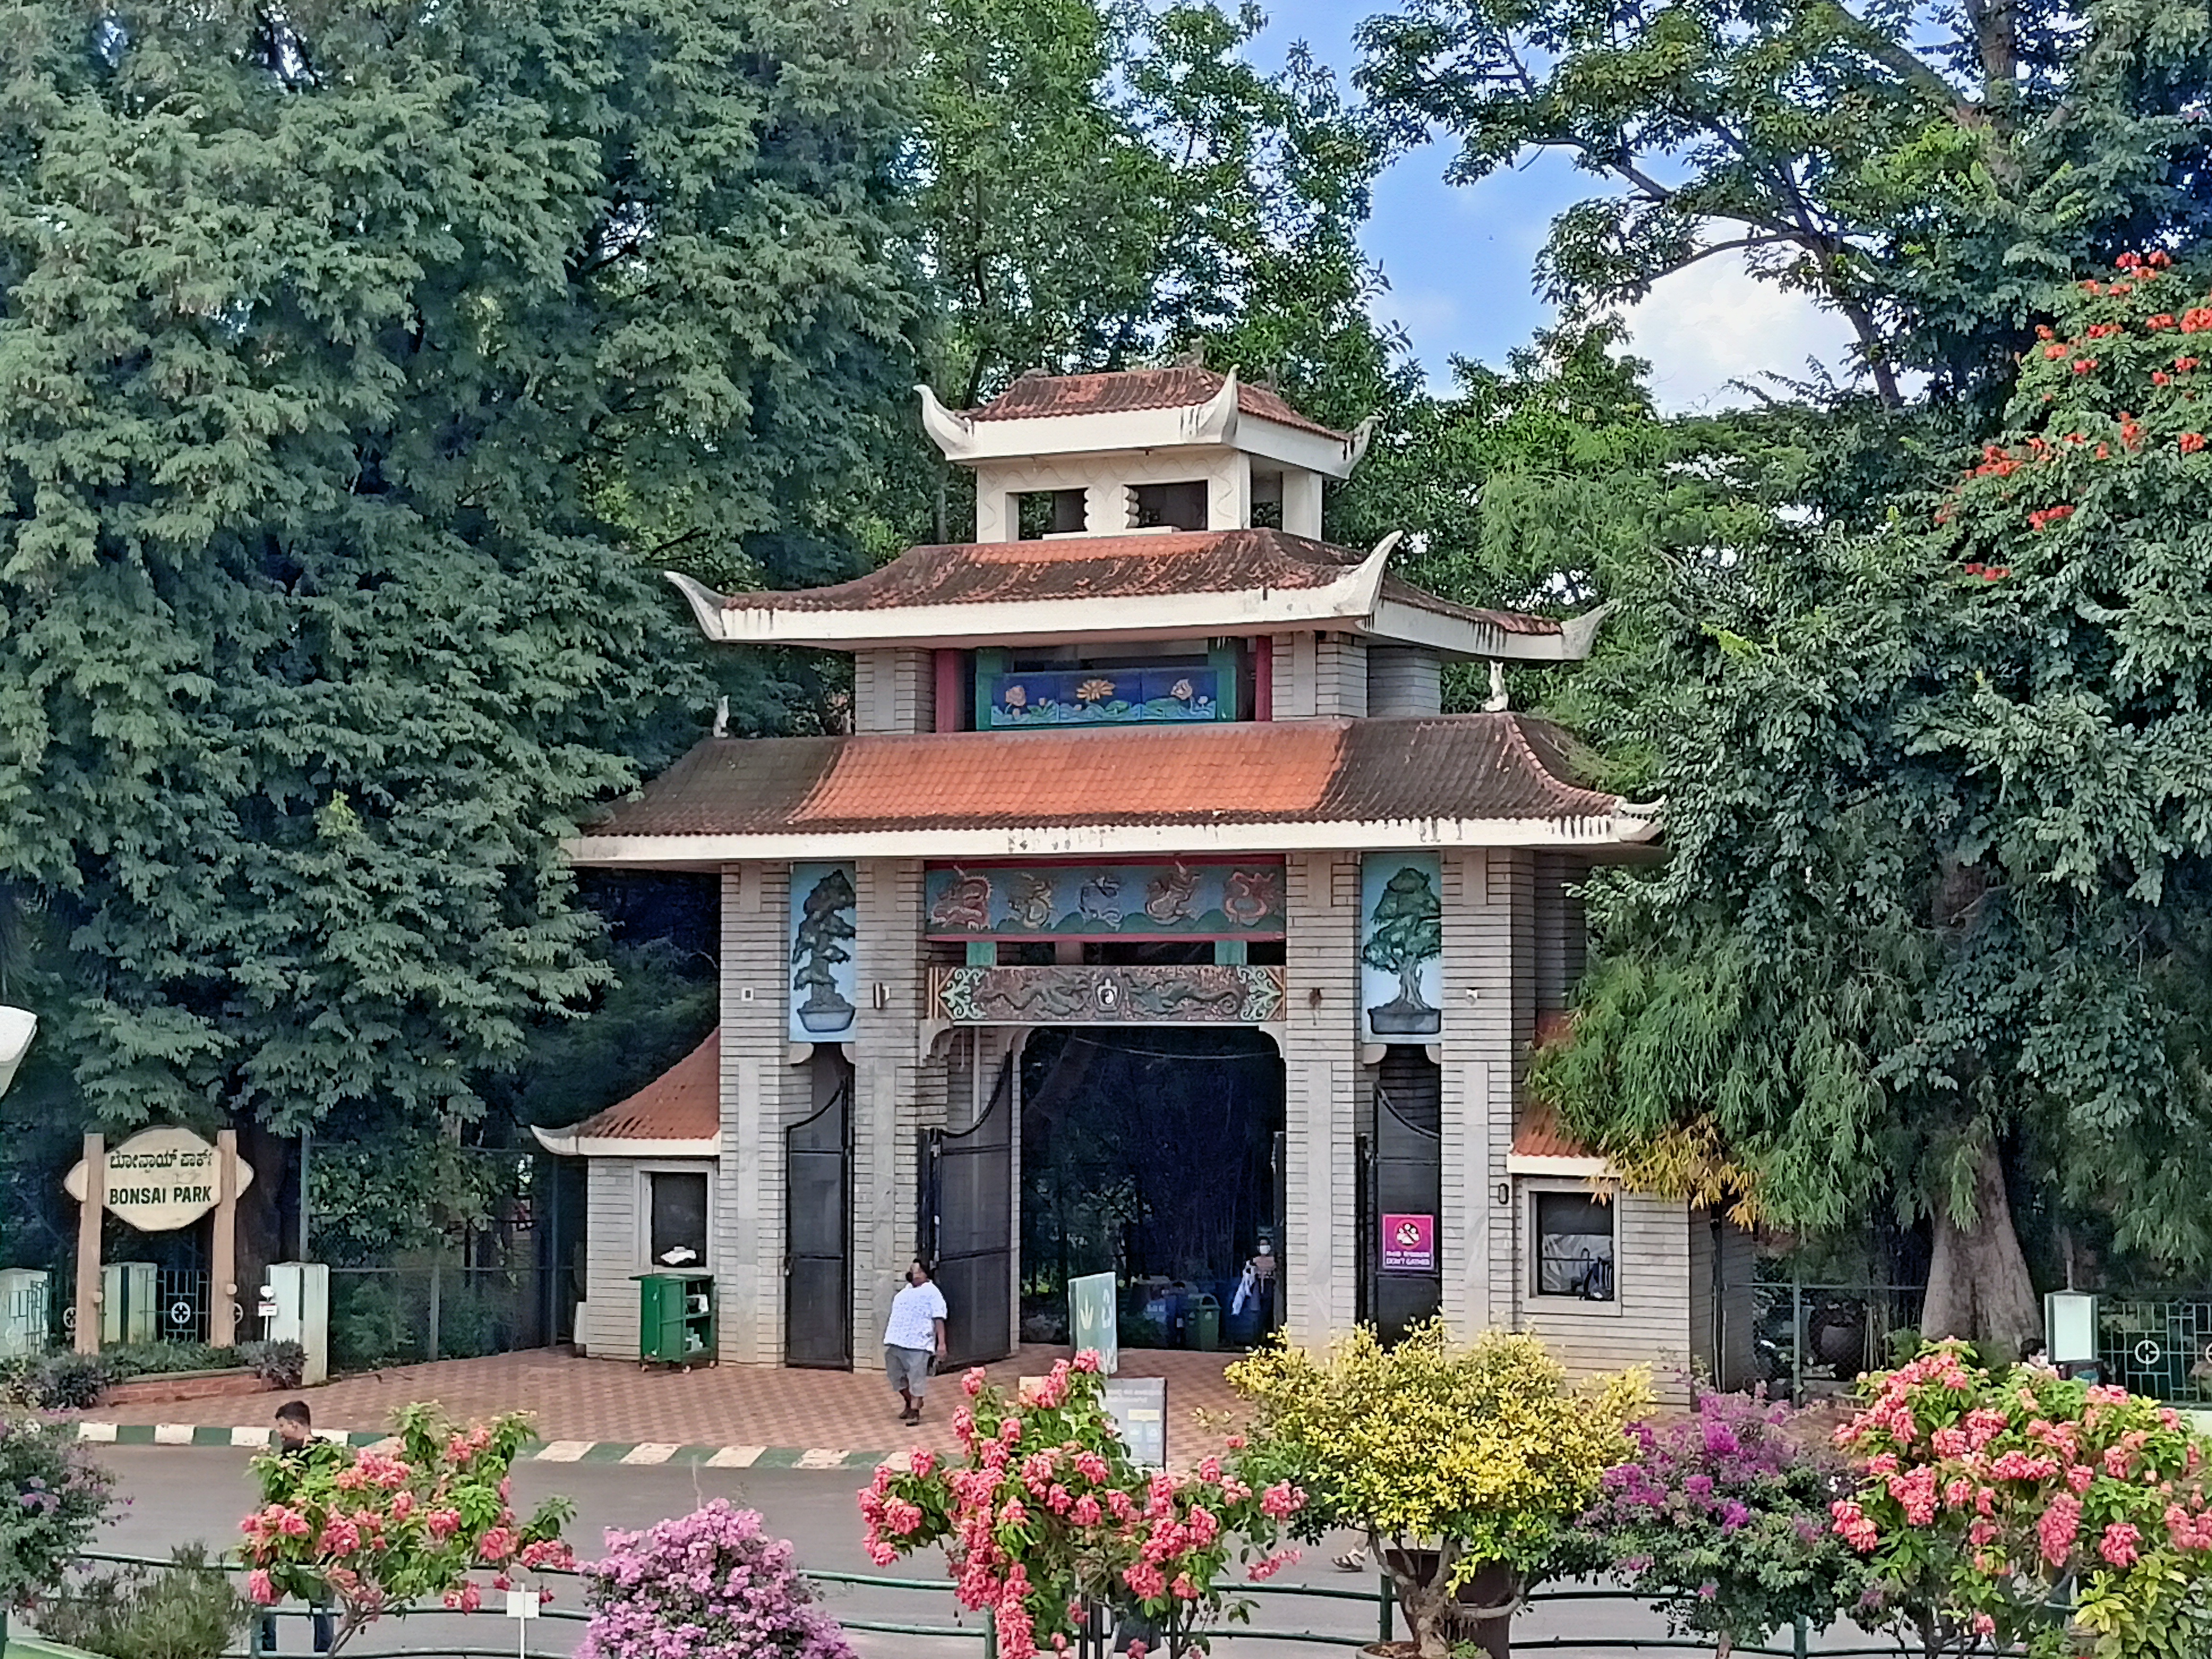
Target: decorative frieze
(1195,901)
(1190,994)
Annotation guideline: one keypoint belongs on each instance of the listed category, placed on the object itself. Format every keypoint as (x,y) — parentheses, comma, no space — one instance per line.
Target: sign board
(2069,1326)
(1409,1244)
(1094,1319)
(1139,1406)
(161,1180)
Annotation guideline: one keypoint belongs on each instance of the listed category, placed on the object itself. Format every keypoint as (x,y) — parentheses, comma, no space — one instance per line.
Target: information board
(1139,1406)
(1094,1319)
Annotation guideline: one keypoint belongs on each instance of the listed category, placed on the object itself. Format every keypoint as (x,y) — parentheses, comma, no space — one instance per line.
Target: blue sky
(1460,260)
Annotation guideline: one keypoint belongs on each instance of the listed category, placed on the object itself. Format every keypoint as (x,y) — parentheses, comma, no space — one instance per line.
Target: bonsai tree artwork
(1404,932)
(817,948)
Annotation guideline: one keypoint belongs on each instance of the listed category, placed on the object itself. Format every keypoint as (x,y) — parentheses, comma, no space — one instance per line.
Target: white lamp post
(17,1027)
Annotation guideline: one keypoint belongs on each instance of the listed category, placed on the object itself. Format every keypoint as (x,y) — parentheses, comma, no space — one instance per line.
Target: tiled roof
(1541,1136)
(1108,567)
(1036,397)
(684,1103)
(1451,767)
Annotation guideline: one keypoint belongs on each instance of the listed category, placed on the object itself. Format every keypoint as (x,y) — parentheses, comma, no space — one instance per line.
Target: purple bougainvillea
(1722,1521)
(706,1585)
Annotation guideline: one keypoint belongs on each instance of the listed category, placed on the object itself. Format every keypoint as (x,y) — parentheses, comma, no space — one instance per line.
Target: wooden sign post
(88,1244)
(222,1252)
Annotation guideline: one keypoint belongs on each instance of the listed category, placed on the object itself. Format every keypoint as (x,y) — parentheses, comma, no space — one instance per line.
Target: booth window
(678,1219)
(1574,1247)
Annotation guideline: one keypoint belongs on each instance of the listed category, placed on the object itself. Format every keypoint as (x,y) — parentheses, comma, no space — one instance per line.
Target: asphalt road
(181,1495)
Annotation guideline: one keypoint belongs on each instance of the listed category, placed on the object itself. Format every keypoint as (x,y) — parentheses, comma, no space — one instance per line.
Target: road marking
(564,1451)
(173,1434)
(820,1457)
(244,1437)
(736,1457)
(652,1452)
(102,1432)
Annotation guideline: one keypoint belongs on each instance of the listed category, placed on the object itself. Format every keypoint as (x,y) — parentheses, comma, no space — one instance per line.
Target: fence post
(1796,1338)
(1390,1604)
(434,1272)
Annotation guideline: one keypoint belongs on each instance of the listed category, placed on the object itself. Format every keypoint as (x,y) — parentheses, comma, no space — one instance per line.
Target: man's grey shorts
(908,1369)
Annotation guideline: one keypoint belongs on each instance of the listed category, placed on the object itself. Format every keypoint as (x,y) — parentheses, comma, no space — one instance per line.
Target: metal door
(1408,1181)
(967,1227)
(818,1264)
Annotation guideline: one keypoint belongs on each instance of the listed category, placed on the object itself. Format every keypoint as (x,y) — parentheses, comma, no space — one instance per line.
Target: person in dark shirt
(296,1446)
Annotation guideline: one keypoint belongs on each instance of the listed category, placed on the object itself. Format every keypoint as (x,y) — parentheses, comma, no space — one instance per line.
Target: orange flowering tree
(2055,1518)
(1938,808)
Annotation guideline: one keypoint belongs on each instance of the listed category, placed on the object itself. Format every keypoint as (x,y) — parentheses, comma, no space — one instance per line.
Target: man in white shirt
(914,1338)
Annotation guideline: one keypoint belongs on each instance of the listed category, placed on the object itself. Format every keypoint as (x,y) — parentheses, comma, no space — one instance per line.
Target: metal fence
(868,1604)
(440,1310)
(1809,1340)
(2158,1345)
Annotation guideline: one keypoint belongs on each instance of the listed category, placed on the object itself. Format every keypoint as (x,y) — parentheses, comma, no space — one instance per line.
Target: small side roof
(1138,408)
(1178,584)
(677,1115)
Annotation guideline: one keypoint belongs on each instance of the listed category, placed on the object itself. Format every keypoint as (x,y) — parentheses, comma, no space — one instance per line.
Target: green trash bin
(1202,1328)
(676,1318)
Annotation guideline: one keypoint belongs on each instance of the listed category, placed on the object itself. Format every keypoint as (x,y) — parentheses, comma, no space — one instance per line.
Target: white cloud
(1714,323)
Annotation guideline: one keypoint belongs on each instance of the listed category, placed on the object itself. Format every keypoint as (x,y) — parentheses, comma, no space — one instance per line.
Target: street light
(17,1027)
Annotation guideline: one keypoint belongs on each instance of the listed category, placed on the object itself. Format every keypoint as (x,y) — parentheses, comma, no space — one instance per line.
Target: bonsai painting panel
(1401,945)
(824,908)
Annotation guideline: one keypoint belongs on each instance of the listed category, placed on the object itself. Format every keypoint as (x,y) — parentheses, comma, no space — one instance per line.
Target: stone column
(886,1085)
(1320,1037)
(1489,1020)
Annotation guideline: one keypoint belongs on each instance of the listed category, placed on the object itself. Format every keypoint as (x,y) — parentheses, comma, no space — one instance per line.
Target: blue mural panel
(825,977)
(1100,696)
(1402,946)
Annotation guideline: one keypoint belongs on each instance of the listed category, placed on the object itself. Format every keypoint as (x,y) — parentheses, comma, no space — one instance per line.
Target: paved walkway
(612,1410)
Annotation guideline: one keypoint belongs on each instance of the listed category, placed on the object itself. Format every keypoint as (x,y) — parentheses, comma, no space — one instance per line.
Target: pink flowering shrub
(1722,1521)
(383,1532)
(706,1585)
(1045,1517)
(1984,1500)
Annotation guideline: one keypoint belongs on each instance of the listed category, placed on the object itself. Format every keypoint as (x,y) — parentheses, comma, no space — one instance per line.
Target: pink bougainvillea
(1045,1515)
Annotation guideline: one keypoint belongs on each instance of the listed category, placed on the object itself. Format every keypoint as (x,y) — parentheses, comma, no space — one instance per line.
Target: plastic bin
(1202,1324)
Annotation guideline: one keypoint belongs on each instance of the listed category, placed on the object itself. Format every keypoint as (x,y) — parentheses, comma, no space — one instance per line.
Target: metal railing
(983,1632)
(1816,1338)
(395,1315)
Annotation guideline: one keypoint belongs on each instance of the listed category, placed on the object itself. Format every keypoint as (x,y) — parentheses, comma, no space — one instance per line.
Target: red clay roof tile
(1042,396)
(1459,766)
(1109,566)
(1541,1136)
(684,1103)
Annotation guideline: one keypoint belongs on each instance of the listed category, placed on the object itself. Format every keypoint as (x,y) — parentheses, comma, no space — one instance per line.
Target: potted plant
(817,946)
(1465,1465)
(1407,931)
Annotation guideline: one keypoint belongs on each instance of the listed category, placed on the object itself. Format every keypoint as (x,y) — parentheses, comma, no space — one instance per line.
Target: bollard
(1390,1601)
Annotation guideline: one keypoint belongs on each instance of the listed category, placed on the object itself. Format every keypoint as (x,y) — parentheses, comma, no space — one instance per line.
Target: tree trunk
(1978,1286)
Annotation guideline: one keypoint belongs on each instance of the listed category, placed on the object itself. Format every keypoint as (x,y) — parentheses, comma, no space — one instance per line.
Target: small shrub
(710,1583)
(186,1610)
(281,1364)
(1723,1522)
(129,1359)
(67,1381)
(52,1498)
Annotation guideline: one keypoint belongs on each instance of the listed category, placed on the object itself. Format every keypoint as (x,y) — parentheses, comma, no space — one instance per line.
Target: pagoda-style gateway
(1150,768)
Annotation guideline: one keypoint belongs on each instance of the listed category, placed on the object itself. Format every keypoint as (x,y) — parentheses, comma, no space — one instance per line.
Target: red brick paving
(608,1400)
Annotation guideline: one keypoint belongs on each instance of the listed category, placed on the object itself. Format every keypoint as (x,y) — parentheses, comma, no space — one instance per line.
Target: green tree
(1935,925)
(1920,173)
(358,368)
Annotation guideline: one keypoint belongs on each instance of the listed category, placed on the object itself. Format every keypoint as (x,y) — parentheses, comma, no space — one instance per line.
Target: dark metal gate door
(818,1268)
(968,1223)
(1408,1181)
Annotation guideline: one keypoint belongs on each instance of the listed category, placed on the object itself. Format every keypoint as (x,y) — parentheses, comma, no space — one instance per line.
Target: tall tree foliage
(1935,926)
(1922,173)
(357,367)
